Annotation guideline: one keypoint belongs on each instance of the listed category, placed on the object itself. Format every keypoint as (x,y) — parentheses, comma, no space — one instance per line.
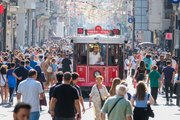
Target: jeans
(167,87)
(11,91)
(61,118)
(154,92)
(34,115)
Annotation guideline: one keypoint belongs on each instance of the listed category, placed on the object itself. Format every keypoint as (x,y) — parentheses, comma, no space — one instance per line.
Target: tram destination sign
(98,30)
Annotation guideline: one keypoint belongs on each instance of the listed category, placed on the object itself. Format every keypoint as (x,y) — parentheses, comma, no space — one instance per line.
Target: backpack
(49,69)
(147,61)
(139,75)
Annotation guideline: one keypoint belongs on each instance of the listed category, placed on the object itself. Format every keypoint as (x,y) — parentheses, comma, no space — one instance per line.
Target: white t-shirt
(154,62)
(30,90)
(126,63)
(174,64)
(133,64)
(94,58)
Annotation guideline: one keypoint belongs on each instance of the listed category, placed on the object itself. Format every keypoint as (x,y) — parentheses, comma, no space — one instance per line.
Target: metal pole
(133,39)
(4,30)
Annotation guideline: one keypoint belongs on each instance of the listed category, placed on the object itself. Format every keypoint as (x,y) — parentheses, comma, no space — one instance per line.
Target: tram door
(80,62)
(113,61)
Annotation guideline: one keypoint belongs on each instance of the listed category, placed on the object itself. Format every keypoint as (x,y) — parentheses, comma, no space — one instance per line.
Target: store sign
(1,9)
(98,30)
(175,1)
(80,30)
(169,36)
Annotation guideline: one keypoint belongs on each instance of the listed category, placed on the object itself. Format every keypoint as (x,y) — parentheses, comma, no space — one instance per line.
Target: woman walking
(140,101)
(116,81)
(97,95)
(3,84)
(140,74)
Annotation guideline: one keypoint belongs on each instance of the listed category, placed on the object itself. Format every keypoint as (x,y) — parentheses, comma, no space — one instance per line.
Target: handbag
(102,101)
(3,81)
(175,87)
(149,110)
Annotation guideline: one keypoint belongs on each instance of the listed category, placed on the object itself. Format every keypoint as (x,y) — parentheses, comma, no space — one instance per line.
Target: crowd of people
(31,73)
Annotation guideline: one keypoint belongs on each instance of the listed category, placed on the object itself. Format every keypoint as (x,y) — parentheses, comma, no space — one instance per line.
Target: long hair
(142,65)
(140,90)
(3,69)
(116,81)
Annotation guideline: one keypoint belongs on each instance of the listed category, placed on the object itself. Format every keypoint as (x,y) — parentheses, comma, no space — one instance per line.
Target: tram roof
(100,39)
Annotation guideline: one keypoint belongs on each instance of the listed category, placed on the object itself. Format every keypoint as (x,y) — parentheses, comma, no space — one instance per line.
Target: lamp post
(133,33)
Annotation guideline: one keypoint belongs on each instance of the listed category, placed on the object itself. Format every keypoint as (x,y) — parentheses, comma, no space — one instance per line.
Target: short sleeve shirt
(66,96)
(120,111)
(30,90)
(21,72)
(78,89)
(11,79)
(168,73)
(154,76)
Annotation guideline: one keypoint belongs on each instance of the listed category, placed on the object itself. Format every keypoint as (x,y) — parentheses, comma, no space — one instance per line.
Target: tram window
(113,55)
(97,54)
(82,54)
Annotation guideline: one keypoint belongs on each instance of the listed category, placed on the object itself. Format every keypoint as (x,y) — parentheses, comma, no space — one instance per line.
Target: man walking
(65,100)
(75,78)
(20,73)
(31,91)
(168,74)
(122,110)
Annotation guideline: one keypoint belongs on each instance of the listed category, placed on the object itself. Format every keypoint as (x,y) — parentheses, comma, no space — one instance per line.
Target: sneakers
(167,102)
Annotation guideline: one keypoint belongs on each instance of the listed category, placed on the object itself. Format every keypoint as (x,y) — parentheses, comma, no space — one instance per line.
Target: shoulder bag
(102,101)
(149,110)
(175,85)
(3,81)
(114,106)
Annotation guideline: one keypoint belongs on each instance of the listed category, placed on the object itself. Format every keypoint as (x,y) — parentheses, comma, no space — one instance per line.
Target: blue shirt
(148,63)
(141,103)
(168,73)
(54,67)
(28,67)
(11,79)
(33,63)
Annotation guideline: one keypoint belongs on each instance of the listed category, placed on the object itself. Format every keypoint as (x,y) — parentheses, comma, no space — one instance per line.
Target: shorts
(49,77)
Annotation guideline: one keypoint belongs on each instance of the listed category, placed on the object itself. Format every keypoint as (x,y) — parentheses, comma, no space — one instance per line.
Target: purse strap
(114,106)
(99,92)
(3,78)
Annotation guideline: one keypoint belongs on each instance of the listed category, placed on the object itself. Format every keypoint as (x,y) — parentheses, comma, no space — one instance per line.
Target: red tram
(97,55)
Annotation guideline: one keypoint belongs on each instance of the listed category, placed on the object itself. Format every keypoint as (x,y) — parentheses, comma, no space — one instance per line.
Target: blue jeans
(34,115)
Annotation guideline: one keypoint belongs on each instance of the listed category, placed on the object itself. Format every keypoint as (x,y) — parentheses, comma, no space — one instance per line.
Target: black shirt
(51,91)
(78,89)
(66,96)
(21,72)
(161,65)
(66,65)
